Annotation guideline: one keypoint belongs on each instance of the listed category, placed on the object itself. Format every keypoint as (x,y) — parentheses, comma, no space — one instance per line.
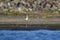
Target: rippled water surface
(30,35)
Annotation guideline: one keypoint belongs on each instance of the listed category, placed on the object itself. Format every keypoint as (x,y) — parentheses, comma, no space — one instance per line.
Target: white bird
(26,18)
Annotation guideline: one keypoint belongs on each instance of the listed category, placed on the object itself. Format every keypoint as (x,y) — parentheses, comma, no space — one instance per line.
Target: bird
(26,18)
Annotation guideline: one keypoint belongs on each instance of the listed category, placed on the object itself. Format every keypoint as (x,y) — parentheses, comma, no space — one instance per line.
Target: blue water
(30,35)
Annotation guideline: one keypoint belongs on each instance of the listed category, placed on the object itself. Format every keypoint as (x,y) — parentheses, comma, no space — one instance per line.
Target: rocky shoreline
(42,8)
(31,5)
(34,9)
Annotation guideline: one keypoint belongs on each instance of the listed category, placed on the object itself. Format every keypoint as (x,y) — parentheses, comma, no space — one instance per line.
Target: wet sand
(12,22)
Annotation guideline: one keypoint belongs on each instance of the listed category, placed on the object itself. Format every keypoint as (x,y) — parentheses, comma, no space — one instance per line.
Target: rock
(31,5)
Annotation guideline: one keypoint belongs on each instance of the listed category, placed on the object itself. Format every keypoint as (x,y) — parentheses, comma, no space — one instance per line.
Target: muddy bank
(30,26)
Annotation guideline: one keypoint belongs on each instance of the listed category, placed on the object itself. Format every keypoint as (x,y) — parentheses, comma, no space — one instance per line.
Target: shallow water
(30,35)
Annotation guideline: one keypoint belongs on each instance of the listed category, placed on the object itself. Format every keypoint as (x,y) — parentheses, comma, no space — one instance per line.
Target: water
(30,35)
